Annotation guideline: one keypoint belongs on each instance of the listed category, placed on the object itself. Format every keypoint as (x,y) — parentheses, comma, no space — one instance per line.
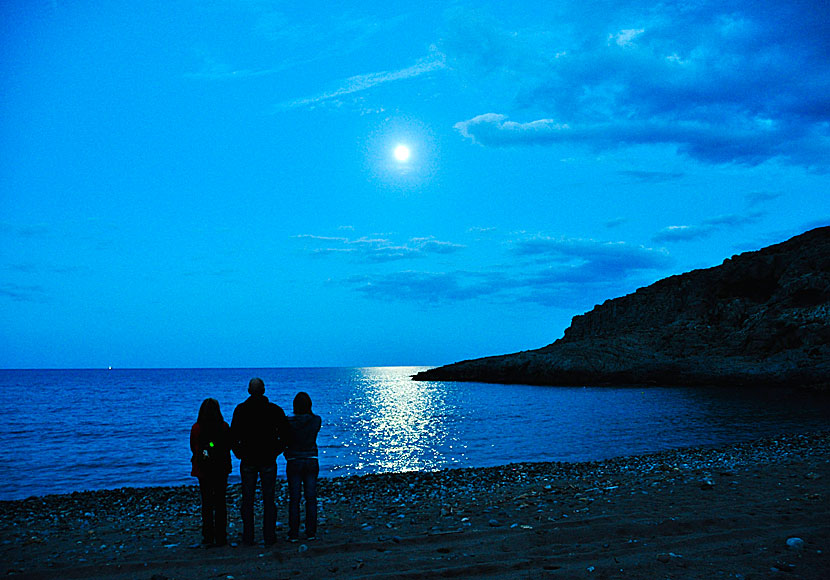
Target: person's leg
(269,484)
(207,511)
(220,530)
(310,471)
(249,477)
(293,472)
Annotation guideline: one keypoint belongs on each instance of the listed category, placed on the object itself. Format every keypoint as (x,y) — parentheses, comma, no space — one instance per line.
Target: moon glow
(402,153)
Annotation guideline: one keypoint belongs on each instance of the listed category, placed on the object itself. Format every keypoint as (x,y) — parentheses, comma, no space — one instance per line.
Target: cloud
(653,176)
(626,37)
(26,230)
(549,288)
(22,293)
(589,250)
(749,144)
(433,246)
(731,220)
(756,198)
(563,272)
(682,233)
(434,62)
(378,249)
(616,222)
(736,82)
(581,260)
(212,71)
(426,287)
(706,228)
(311,36)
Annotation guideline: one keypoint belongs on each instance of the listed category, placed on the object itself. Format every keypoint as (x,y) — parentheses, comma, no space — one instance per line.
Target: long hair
(302,403)
(209,414)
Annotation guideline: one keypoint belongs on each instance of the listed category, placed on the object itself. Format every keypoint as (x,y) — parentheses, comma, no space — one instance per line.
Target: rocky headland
(761,318)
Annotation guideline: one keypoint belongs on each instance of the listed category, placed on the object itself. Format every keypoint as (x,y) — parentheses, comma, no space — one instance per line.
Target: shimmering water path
(67,430)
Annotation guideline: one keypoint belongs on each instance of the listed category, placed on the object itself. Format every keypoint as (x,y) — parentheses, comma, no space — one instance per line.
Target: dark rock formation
(760,318)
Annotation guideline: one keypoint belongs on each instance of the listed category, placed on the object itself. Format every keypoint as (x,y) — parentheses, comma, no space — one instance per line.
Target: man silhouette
(259,433)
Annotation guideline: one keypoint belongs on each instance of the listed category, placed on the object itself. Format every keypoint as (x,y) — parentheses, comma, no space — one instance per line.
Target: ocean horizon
(69,430)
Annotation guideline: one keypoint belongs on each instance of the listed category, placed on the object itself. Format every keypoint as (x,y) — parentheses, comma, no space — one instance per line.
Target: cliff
(760,318)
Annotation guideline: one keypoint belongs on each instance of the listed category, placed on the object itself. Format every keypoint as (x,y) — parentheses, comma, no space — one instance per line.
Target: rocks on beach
(639,511)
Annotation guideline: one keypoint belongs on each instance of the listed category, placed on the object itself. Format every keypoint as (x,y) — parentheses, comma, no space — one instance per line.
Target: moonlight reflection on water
(130,427)
(401,421)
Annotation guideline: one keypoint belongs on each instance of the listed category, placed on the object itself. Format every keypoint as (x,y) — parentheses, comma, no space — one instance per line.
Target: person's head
(302,403)
(256,386)
(209,412)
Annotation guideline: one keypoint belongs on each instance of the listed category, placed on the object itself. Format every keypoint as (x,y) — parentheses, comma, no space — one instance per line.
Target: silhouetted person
(259,431)
(210,442)
(302,467)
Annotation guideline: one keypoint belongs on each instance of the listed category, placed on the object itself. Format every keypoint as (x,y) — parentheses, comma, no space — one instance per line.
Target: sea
(72,430)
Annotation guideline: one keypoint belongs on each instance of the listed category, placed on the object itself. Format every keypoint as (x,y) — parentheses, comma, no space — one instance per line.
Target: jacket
(259,431)
(303,442)
(218,458)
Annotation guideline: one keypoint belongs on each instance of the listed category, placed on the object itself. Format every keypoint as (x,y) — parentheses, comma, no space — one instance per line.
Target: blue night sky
(189,184)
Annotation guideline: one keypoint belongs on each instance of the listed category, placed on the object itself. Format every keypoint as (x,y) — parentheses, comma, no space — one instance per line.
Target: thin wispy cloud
(426,287)
(26,230)
(560,272)
(359,83)
(616,222)
(573,286)
(732,220)
(615,258)
(653,176)
(377,249)
(706,228)
(22,292)
(217,72)
(297,40)
(757,198)
(683,233)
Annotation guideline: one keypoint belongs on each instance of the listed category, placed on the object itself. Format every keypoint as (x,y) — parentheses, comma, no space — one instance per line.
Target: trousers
(267,475)
(302,478)
(213,489)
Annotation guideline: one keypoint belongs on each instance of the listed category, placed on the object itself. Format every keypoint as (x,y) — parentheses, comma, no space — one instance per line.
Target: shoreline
(281,479)
(682,513)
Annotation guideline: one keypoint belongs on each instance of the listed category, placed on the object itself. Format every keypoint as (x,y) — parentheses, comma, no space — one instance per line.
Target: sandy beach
(751,510)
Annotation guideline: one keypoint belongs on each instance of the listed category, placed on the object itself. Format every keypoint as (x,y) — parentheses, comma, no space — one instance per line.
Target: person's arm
(226,446)
(234,435)
(283,431)
(194,439)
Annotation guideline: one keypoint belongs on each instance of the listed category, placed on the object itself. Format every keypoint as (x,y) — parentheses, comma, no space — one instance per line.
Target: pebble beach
(758,509)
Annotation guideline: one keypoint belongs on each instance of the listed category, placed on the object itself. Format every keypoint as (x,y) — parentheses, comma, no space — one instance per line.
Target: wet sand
(751,510)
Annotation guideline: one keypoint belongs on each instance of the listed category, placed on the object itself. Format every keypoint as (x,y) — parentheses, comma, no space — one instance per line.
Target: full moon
(402,153)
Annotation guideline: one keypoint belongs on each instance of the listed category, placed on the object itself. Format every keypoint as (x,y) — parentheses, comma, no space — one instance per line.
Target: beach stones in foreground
(796,544)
